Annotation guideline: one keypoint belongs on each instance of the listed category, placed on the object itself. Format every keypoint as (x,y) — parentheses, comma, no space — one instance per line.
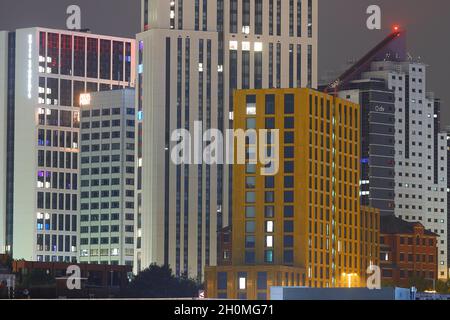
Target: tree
(443,287)
(159,282)
(37,278)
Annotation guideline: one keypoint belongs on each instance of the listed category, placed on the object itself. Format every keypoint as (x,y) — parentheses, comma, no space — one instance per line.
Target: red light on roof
(396,28)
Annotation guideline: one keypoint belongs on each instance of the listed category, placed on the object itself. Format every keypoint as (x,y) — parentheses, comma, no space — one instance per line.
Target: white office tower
(420,151)
(47,71)
(107,177)
(3,138)
(192,55)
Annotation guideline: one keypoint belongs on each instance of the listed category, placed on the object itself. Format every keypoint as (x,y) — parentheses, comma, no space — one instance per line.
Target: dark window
(105,59)
(92,58)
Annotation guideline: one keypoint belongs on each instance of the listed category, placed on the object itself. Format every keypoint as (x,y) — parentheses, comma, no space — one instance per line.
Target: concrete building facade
(47,71)
(420,153)
(107,177)
(206,50)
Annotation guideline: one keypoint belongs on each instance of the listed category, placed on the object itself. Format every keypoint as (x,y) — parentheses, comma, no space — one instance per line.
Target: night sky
(342,31)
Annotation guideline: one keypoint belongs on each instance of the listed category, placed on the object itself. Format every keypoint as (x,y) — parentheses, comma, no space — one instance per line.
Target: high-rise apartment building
(302,225)
(192,55)
(107,169)
(377,103)
(420,153)
(47,71)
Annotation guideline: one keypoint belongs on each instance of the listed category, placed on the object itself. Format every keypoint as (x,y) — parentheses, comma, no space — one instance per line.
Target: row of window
(58,138)
(275,8)
(106,182)
(105,205)
(105,217)
(105,124)
(388,273)
(103,135)
(105,229)
(105,240)
(59,160)
(84,56)
(56,243)
(105,170)
(56,222)
(58,118)
(57,180)
(106,147)
(105,112)
(57,201)
(47,258)
(104,252)
(98,159)
(269,182)
(105,194)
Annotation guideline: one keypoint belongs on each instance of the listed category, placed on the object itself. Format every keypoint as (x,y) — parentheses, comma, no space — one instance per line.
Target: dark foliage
(159,282)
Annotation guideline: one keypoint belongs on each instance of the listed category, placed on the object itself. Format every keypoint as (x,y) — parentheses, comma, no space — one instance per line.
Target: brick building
(407,251)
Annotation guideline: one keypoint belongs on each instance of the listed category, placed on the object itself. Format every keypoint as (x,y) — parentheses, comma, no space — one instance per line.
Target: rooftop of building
(395,225)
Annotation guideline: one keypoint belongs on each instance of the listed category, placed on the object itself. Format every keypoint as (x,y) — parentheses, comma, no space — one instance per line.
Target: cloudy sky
(343,33)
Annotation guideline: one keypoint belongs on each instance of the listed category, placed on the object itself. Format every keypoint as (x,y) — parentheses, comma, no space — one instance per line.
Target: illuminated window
(268,256)
(269,226)
(258,47)
(242,283)
(233,45)
(269,241)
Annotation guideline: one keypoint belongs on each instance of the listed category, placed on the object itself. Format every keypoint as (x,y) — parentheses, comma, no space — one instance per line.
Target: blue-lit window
(269,197)
(288,241)
(268,256)
(270,123)
(250,212)
(289,152)
(250,168)
(249,257)
(250,226)
(288,211)
(250,241)
(289,182)
(289,104)
(222,281)
(250,197)
(289,137)
(288,196)
(289,226)
(270,104)
(288,256)
(289,123)
(261,282)
(288,166)
(251,123)
(270,182)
